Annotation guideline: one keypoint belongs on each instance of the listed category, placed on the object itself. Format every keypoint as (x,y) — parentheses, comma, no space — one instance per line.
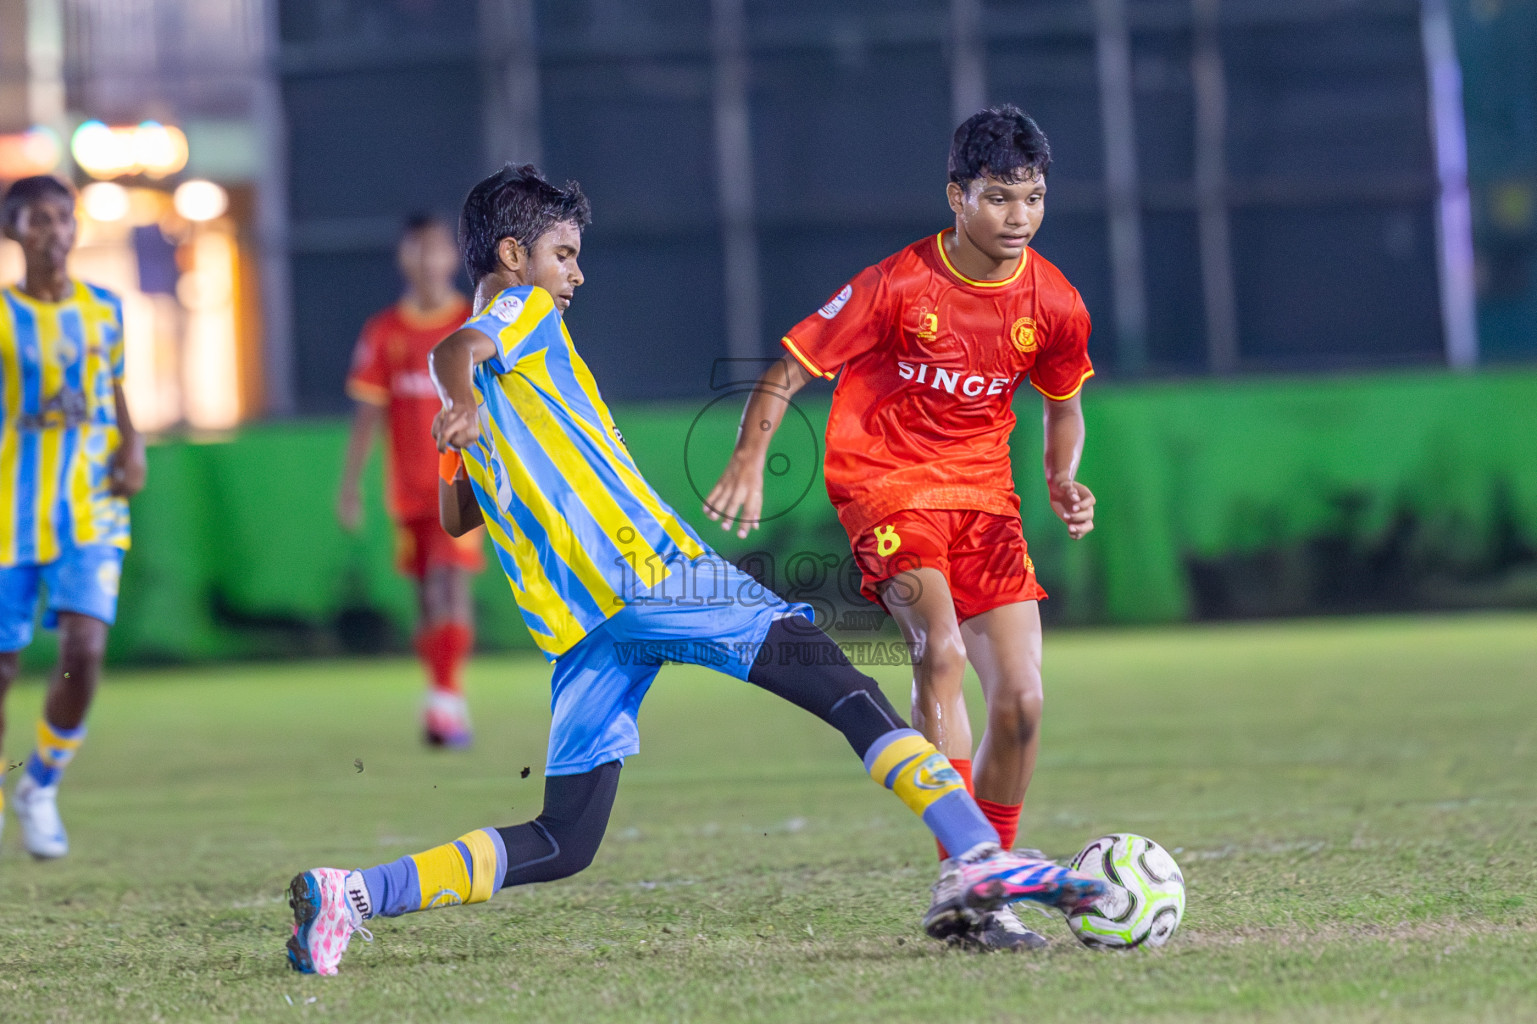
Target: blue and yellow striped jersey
(58,423)
(578,531)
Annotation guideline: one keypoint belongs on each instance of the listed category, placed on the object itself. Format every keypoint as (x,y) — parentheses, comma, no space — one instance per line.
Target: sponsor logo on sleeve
(506,309)
(832,309)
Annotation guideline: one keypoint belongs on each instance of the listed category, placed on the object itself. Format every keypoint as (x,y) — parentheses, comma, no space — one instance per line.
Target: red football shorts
(422,545)
(983,555)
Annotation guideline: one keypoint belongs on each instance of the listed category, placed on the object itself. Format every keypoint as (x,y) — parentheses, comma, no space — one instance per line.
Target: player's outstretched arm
(737,497)
(451,363)
(458,510)
(129,465)
(1071,501)
(366,421)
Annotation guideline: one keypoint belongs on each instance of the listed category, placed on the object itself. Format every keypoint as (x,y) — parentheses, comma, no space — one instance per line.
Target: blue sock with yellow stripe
(55,749)
(913,768)
(468,870)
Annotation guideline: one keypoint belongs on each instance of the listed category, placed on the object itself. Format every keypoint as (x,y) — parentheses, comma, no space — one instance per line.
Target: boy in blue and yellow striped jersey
(611,584)
(69,460)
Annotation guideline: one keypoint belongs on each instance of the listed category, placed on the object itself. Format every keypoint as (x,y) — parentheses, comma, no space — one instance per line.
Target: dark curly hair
(1001,142)
(26,191)
(515,202)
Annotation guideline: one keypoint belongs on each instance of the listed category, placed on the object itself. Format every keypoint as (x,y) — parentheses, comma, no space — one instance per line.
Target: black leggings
(565,837)
(811,672)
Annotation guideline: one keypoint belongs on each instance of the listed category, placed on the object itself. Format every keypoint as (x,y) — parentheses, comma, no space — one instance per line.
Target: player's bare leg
(1004,646)
(447,628)
(444,596)
(920,602)
(82,646)
(10,667)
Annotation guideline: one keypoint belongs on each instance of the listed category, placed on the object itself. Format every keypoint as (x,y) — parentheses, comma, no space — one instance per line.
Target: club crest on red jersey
(928,326)
(832,309)
(1022,334)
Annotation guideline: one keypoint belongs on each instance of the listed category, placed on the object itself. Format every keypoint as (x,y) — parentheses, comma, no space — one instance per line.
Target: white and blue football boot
(987,878)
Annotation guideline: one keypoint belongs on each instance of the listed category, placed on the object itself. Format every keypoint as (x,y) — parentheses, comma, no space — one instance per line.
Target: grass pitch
(1354,805)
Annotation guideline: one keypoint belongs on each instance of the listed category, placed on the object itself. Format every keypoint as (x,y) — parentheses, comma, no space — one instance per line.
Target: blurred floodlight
(150,148)
(159,149)
(200,200)
(105,201)
(101,152)
(34,151)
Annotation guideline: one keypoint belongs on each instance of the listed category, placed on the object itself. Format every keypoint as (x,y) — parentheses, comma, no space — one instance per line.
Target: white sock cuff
(360,905)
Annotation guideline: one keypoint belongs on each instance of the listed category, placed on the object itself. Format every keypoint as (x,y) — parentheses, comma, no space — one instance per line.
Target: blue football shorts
(599,683)
(82,579)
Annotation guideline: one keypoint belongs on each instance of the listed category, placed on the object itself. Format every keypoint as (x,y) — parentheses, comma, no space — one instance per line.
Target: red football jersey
(389,368)
(927,362)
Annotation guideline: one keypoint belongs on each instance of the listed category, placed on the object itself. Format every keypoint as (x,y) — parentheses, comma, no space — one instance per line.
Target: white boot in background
(37,809)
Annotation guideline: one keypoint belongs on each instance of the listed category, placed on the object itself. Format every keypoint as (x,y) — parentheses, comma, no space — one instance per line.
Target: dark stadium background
(1304,231)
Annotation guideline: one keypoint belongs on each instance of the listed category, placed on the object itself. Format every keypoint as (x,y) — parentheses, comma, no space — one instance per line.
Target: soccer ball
(1146,897)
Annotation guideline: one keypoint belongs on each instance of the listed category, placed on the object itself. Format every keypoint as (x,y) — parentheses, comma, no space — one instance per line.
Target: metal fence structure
(1237,185)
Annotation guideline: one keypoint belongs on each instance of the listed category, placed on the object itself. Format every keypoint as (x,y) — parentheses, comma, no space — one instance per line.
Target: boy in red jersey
(392,388)
(928,347)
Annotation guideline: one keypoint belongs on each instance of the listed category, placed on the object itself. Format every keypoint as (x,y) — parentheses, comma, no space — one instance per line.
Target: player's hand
(456,426)
(349,509)
(129,468)
(1074,505)
(737,497)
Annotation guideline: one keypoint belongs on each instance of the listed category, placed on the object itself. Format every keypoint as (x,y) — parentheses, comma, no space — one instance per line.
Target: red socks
(963,769)
(1003,817)
(443,649)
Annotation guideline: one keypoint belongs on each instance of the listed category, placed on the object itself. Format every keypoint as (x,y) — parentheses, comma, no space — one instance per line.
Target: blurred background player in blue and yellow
(394,392)
(69,461)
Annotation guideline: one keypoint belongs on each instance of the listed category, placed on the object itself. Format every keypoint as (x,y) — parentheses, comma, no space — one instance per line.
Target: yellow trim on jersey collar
(78,293)
(454,310)
(1024,257)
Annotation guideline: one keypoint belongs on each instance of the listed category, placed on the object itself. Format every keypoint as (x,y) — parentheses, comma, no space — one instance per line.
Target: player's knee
(1015,714)
(575,847)
(10,668)
(82,646)
(940,658)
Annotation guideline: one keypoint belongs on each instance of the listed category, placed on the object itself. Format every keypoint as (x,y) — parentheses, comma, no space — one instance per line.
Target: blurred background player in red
(928,347)
(392,388)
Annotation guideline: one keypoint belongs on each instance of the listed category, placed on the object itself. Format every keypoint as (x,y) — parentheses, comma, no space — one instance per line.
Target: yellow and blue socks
(56,748)
(913,768)
(468,870)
